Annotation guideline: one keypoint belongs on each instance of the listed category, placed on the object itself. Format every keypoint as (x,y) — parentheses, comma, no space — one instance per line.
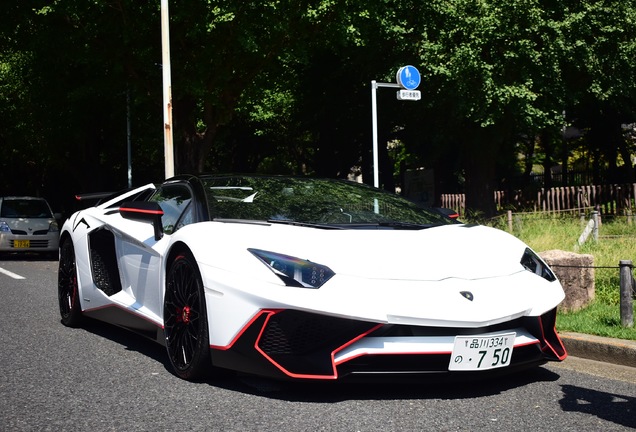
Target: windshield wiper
(304,224)
(407,225)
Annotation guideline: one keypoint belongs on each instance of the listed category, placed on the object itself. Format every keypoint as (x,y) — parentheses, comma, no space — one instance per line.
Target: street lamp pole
(168,147)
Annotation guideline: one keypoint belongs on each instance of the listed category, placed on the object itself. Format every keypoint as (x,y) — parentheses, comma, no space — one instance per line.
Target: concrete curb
(610,350)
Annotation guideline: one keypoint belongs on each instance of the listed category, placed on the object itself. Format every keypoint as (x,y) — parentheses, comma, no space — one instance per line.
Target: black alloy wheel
(67,287)
(185,319)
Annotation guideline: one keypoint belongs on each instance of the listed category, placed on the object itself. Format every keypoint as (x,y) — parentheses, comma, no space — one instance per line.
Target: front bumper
(288,344)
(18,243)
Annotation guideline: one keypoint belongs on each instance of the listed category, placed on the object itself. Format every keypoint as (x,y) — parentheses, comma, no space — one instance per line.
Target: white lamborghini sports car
(307,279)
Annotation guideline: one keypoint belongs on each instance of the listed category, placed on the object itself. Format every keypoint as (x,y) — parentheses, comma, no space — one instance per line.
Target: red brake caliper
(183,314)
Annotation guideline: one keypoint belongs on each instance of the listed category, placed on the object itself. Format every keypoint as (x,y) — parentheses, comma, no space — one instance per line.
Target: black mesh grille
(297,333)
(302,343)
(104,262)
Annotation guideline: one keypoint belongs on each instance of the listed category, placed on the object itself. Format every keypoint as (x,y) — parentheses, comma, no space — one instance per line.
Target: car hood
(461,251)
(452,251)
(28,225)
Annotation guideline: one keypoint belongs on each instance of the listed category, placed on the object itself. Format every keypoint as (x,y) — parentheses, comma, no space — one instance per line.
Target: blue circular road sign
(408,77)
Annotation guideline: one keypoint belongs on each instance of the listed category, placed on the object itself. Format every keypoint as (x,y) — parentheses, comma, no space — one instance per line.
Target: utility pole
(168,146)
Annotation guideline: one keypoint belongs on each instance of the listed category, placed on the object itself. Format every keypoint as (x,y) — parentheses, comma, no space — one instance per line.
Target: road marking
(10,274)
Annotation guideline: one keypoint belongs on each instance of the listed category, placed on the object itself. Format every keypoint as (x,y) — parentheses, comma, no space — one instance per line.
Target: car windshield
(335,203)
(25,208)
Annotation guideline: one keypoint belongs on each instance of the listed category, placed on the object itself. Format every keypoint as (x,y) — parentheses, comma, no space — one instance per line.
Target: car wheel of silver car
(185,319)
(67,287)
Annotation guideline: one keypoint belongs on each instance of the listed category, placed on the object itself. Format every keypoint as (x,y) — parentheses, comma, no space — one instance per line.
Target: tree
(222,49)
(494,69)
(281,86)
(600,76)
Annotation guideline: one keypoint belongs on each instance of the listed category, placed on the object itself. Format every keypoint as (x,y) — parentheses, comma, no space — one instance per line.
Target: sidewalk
(610,350)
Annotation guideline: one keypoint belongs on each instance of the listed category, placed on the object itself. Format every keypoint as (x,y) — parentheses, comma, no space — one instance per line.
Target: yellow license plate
(21,244)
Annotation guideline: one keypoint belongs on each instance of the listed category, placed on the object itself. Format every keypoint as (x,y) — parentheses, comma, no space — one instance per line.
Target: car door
(141,256)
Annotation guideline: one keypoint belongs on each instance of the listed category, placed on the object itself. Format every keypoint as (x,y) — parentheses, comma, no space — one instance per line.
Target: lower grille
(35,244)
(297,333)
(302,343)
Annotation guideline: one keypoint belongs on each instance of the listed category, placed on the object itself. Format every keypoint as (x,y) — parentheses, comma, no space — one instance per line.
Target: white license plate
(482,352)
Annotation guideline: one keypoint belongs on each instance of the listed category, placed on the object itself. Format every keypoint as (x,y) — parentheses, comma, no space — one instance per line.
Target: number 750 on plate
(482,352)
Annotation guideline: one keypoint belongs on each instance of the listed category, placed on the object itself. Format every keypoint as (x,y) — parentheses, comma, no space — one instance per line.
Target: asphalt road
(105,379)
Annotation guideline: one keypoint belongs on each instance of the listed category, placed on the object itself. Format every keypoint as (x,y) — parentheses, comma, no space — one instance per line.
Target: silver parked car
(27,224)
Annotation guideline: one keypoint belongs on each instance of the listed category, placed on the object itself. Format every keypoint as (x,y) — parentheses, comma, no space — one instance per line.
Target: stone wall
(576,273)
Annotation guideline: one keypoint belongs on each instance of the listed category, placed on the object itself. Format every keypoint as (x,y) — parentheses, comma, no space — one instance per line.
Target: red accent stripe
(244,329)
(549,346)
(272,312)
(134,210)
(281,368)
(334,375)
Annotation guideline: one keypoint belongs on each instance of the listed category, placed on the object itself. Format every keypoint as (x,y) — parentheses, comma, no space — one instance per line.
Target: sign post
(408,79)
(374,118)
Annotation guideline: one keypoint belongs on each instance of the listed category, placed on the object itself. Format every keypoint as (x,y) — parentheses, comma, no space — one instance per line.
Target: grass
(616,242)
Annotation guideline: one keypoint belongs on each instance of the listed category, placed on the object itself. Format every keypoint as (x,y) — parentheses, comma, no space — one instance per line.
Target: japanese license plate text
(482,352)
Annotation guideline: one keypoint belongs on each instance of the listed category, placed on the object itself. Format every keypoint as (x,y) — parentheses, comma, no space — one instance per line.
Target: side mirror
(448,212)
(144,211)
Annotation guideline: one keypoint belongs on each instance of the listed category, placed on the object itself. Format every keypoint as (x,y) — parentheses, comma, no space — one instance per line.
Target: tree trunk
(192,147)
(479,154)
(548,157)
(627,159)
(192,151)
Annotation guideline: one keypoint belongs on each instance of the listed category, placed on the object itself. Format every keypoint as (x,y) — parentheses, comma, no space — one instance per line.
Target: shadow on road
(329,392)
(29,256)
(607,406)
(129,340)
(332,392)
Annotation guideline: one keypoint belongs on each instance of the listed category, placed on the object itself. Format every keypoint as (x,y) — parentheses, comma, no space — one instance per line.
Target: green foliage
(616,243)
(545,231)
(284,86)
(495,58)
(601,48)
(608,252)
(599,319)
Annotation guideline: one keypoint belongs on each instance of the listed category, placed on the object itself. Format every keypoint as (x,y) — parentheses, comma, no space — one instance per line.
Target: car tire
(67,287)
(185,319)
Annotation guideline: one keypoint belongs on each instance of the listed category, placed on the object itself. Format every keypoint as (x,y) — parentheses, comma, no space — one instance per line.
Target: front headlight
(53,227)
(531,262)
(293,271)
(4,227)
